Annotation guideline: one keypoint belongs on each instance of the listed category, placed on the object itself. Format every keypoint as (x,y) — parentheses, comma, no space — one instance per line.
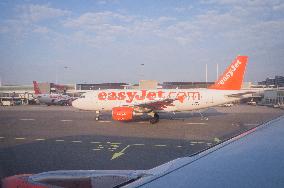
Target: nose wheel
(154,119)
(98,117)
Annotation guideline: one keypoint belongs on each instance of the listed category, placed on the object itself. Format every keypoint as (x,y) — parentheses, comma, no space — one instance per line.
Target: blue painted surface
(255,160)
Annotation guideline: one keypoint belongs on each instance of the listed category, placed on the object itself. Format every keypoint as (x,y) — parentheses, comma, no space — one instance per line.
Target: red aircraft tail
(36,88)
(232,78)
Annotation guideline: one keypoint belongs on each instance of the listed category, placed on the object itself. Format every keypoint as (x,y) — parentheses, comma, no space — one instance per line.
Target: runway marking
(96,149)
(27,119)
(217,140)
(40,139)
(101,147)
(138,144)
(115,143)
(114,146)
(118,154)
(160,145)
(179,146)
(59,140)
(197,142)
(1,137)
(104,121)
(66,120)
(20,138)
(196,123)
(77,141)
(95,142)
(248,124)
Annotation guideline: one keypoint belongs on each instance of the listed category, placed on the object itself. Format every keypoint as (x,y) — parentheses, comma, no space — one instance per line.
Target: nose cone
(76,103)
(83,104)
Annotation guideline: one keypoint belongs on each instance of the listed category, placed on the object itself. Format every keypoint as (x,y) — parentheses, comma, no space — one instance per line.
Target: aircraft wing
(240,95)
(156,104)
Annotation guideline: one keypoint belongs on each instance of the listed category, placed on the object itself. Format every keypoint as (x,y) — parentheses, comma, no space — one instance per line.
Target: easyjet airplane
(127,105)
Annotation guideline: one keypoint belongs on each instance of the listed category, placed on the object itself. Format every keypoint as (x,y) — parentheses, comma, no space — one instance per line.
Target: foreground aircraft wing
(252,159)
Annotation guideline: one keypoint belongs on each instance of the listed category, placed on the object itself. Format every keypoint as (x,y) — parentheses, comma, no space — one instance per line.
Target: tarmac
(40,138)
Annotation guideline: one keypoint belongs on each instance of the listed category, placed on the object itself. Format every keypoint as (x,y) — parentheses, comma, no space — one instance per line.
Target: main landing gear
(155,118)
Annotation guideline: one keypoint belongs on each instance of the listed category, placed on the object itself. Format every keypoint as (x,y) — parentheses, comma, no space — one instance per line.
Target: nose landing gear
(98,117)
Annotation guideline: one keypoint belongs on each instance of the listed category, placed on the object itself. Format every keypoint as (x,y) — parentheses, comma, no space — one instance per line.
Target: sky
(95,41)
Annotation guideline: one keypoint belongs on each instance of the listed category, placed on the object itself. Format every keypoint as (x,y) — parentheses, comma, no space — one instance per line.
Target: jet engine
(126,113)
(122,113)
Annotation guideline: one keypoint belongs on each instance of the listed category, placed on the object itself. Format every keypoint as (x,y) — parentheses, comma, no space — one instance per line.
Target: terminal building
(273,97)
(277,81)
(185,85)
(86,87)
(10,95)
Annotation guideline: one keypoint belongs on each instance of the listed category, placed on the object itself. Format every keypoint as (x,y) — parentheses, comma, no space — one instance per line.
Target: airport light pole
(142,70)
(56,72)
(217,67)
(56,77)
(66,68)
(206,73)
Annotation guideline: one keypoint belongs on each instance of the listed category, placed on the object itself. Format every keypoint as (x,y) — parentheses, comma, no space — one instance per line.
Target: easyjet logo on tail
(229,74)
(232,78)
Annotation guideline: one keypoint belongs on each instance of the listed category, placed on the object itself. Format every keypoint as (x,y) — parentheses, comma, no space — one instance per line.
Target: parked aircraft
(130,104)
(51,99)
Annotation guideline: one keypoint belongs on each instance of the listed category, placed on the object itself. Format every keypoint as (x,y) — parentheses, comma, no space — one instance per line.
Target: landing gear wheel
(155,119)
(98,117)
(205,118)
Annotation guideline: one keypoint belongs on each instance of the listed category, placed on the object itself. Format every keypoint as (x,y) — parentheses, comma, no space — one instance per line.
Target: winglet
(36,88)
(232,78)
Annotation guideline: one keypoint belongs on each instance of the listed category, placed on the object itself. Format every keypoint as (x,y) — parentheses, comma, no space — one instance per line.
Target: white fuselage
(52,98)
(186,99)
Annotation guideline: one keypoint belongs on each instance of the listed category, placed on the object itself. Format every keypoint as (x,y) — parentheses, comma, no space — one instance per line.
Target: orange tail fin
(232,78)
(36,88)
